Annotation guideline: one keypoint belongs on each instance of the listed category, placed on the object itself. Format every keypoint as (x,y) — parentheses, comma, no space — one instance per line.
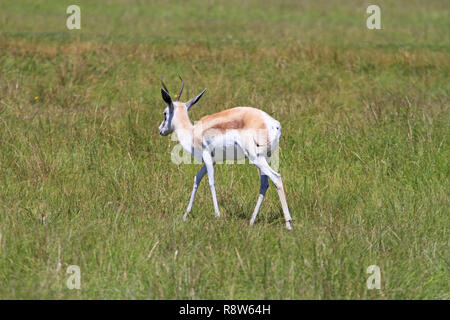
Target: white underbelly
(226,147)
(228,152)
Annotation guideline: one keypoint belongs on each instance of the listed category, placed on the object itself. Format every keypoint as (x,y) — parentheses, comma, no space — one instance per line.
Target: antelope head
(167,126)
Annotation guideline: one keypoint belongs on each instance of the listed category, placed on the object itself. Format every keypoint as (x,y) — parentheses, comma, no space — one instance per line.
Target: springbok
(246,131)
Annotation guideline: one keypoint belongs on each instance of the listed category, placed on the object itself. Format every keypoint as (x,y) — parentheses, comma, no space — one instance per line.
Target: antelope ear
(166,96)
(194,100)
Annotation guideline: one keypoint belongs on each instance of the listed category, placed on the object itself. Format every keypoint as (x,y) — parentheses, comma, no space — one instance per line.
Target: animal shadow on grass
(234,209)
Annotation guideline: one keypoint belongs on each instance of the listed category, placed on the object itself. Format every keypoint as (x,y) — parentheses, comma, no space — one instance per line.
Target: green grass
(85,178)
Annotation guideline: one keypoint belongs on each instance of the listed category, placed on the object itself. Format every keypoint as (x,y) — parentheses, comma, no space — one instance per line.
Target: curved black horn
(164,86)
(181,90)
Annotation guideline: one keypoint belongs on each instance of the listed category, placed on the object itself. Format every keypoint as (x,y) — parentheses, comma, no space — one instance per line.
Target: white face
(166,126)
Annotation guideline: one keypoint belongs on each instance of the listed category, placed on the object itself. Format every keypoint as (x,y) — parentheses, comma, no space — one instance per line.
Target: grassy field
(85,178)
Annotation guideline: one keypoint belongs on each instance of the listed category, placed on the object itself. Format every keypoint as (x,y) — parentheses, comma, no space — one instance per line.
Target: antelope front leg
(197,179)
(207,159)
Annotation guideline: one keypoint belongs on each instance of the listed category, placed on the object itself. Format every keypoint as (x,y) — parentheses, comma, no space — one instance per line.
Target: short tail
(270,142)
